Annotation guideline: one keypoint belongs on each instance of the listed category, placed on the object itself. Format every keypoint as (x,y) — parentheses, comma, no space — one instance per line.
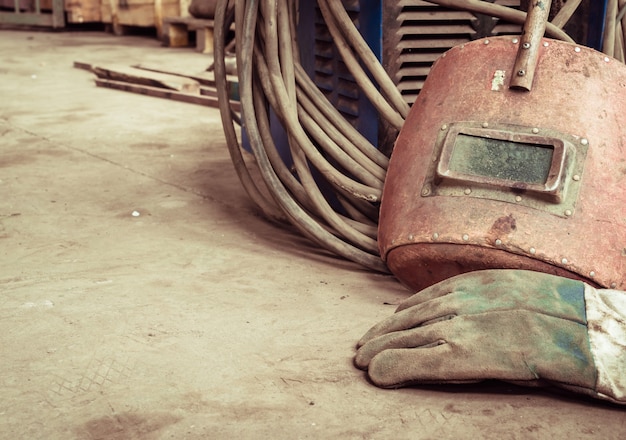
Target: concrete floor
(196,319)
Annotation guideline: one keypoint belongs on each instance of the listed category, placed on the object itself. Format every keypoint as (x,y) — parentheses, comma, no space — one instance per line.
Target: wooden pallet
(176,32)
(124,15)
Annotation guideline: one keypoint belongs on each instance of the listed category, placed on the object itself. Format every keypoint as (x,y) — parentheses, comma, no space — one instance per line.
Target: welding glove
(524,327)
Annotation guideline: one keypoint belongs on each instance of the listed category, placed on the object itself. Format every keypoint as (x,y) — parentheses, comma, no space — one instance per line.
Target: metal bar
(55,19)
(530,40)
(58,13)
(26,18)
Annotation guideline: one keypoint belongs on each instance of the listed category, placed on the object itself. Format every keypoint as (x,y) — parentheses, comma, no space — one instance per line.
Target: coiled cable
(331,187)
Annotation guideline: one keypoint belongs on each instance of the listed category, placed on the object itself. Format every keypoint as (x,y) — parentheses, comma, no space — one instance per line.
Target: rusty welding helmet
(485,175)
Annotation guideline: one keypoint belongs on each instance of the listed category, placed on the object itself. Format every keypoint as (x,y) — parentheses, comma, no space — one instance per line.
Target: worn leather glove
(518,326)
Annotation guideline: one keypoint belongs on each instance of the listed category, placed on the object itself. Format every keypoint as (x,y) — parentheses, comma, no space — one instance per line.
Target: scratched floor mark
(100,373)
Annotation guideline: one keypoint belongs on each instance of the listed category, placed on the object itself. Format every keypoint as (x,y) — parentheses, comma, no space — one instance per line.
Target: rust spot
(504,225)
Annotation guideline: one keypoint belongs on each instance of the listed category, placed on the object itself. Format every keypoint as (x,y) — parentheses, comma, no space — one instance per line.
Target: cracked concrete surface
(196,318)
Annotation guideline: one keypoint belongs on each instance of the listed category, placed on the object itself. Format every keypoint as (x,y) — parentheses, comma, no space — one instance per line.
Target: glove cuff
(606,323)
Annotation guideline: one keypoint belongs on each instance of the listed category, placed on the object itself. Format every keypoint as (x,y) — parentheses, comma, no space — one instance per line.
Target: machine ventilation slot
(416,33)
(330,73)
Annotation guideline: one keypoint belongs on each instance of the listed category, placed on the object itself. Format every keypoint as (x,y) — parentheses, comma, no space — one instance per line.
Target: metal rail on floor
(25,13)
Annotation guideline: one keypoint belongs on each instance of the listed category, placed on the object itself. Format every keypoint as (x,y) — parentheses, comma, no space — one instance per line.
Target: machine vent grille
(330,73)
(416,33)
